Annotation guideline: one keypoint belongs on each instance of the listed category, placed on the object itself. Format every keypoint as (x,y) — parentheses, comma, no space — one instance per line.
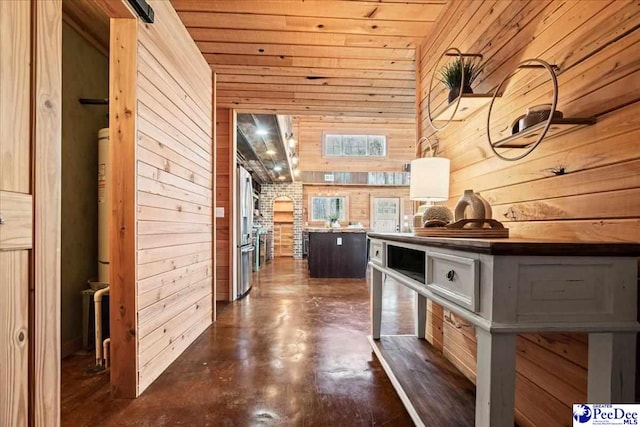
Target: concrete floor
(291,353)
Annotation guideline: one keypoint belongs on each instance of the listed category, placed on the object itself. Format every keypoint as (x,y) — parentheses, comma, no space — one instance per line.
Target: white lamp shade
(429,179)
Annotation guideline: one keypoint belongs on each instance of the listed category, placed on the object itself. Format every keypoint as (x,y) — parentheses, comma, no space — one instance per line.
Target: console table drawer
(375,252)
(454,278)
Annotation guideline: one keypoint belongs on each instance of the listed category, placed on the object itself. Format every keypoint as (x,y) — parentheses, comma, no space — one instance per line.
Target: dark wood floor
(293,352)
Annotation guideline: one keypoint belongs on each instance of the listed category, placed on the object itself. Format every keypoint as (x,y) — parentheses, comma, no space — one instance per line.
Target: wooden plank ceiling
(321,57)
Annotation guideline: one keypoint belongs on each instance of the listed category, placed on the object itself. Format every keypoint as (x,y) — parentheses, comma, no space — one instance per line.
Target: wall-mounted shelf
(525,141)
(461,107)
(528,137)
(469,104)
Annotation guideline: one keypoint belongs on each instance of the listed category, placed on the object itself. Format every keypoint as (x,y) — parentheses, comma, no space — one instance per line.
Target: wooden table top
(519,246)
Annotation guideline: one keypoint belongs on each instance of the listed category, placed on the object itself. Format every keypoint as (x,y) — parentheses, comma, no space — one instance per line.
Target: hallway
(292,352)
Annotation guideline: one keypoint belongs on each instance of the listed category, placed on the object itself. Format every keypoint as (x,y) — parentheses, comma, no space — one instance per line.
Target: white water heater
(104,205)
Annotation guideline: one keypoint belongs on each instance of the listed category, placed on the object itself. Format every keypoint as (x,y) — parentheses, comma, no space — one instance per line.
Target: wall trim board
(46,94)
(122,152)
(223,195)
(214,179)
(233,191)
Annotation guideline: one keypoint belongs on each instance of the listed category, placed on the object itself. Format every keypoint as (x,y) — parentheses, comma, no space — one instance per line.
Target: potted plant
(451,76)
(334,215)
(333,220)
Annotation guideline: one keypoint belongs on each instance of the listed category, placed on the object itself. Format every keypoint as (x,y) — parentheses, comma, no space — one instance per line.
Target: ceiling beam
(290,61)
(259,22)
(326,72)
(369,10)
(303,38)
(264,49)
(302,96)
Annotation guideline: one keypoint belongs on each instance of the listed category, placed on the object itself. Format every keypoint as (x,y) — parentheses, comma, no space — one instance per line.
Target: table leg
(496,379)
(376,302)
(612,367)
(421,315)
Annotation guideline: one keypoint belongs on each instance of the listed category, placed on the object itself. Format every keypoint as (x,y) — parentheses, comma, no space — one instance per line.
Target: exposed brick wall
(268,194)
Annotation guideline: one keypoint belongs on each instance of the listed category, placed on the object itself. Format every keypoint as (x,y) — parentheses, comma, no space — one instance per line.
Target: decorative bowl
(537,114)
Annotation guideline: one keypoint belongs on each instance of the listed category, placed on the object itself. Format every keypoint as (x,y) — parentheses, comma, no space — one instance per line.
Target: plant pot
(453,92)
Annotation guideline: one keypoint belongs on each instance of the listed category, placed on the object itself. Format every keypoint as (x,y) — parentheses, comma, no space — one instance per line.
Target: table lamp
(430,183)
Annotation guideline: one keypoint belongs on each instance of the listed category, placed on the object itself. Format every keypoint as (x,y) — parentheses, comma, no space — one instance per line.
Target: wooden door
(385,213)
(283,227)
(15,209)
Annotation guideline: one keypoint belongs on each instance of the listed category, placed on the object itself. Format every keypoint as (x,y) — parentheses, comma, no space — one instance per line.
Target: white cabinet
(508,286)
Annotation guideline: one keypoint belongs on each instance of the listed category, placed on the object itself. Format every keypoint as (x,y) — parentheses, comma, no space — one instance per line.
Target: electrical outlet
(339,241)
(220,212)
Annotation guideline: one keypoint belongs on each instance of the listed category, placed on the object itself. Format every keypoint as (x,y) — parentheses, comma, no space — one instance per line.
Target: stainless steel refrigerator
(244,231)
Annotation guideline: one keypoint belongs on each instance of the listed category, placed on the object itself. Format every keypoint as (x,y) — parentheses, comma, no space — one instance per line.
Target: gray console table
(508,286)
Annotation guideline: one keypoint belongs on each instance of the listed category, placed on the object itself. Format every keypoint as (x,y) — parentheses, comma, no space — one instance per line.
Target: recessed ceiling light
(277,168)
(281,177)
(270,152)
(261,132)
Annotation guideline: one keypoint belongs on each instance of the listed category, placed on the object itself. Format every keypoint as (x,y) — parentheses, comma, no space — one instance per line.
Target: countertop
(335,230)
(518,246)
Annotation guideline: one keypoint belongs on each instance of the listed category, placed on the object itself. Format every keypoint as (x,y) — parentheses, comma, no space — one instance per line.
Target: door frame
(46,186)
(372,209)
(273,224)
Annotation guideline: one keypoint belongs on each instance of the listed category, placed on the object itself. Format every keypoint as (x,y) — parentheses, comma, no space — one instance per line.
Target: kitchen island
(337,252)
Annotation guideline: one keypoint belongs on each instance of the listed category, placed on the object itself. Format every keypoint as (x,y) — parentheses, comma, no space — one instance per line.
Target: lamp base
(417,218)
(430,215)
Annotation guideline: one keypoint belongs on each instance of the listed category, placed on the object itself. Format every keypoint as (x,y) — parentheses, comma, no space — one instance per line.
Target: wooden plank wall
(223,200)
(174,192)
(359,200)
(597,47)
(401,144)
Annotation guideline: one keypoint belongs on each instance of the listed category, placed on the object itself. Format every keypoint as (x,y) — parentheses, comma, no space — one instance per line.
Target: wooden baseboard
(71,346)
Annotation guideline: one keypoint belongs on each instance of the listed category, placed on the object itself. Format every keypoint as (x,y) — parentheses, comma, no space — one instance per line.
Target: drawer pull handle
(451,275)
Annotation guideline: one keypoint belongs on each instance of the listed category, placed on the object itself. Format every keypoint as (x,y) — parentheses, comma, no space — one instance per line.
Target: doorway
(283,227)
(385,214)
(85,88)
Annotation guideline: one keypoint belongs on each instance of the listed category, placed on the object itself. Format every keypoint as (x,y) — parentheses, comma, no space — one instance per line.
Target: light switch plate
(219,212)
(339,241)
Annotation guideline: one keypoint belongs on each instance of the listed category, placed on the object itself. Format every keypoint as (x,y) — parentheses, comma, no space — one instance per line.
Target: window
(328,208)
(355,145)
